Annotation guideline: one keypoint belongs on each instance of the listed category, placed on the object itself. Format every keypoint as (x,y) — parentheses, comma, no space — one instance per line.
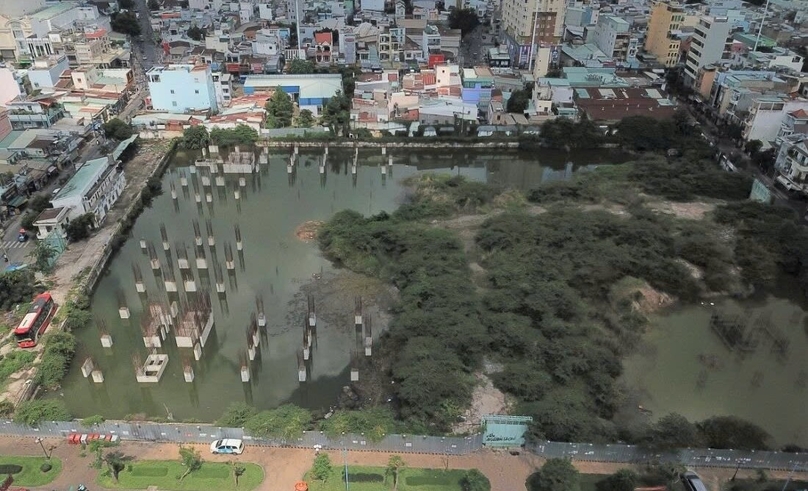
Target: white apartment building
(182,88)
(711,43)
(223,86)
(94,188)
(611,35)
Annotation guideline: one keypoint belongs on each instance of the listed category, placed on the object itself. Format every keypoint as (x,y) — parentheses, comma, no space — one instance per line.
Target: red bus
(35,322)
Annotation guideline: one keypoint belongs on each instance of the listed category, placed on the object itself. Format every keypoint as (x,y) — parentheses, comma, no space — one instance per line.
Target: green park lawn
(213,476)
(372,479)
(30,474)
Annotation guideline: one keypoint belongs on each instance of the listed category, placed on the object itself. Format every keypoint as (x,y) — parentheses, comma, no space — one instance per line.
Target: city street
(474,47)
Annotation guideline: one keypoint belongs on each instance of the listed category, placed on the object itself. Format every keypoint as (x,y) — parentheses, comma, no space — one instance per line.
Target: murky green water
(275,266)
(684,367)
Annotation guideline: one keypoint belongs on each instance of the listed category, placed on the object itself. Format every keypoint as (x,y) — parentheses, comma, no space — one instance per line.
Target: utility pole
(793,469)
(760,29)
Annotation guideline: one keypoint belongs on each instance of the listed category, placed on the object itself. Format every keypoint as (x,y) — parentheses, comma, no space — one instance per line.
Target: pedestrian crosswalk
(15,244)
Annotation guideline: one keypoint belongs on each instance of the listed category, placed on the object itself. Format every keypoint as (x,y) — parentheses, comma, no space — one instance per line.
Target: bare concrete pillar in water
(190,285)
(201,263)
(220,288)
(354,375)
(197,352)
(262,320)
(256,338)
(164,237)
(197,197)
(209,197)
(245,374)
(106,341)
(384,150)
(209,230)
(143,244)
(140,287)
(188,373)
(123,312)
(242,182)
(306,353)
(87,367)
(384,170)
(296,149)
(98,377)
(220,181)
(237,193)
(368,346)
(251,352)
(206,181)
(183,181)
(170,284)
(301,374)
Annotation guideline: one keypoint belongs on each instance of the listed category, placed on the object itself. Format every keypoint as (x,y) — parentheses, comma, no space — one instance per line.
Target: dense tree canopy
(301,67)
(555,475)
(126,23)
(196,33)
(16,287)
(279,110)
(116,129)
(195,137)
(464,19)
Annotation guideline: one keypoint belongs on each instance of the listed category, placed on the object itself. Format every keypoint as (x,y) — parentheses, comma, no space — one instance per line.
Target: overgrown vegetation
(59,350)
(79,228)
(240,135)
(16,287)
(34,411)
(117,129)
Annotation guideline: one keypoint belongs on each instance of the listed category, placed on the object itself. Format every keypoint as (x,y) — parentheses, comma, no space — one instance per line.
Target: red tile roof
(799,113)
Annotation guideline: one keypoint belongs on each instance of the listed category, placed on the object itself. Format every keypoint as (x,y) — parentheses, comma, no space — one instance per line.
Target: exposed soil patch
(694,210)
(307,231)
(485,400)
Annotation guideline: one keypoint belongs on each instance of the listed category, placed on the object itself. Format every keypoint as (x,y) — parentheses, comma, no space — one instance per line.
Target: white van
(227,446)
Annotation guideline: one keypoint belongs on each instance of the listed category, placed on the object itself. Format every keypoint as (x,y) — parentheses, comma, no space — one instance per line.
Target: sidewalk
(285,466)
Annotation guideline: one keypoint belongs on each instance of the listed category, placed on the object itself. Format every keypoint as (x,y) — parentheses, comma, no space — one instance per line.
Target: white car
(227,446)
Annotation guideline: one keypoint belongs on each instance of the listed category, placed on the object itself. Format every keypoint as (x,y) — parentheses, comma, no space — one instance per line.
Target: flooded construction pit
(231,275)
(745,359)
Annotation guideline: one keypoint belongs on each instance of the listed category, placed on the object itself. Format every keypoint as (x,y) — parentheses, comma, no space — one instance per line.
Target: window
(196,91)
(172,91)
(174,103)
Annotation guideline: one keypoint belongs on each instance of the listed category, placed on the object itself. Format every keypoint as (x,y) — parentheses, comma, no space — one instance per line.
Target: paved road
(474,47)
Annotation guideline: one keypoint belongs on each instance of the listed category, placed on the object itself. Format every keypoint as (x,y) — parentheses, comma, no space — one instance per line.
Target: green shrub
(149,471)
(6,469)
(59,350)
(46,467)
(364,477)
(93,420)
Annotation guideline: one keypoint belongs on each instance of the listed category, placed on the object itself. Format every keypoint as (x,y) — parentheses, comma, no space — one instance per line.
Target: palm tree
(116,461)
(394,466)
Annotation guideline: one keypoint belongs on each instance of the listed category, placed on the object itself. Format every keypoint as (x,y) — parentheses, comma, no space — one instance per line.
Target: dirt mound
(307,231)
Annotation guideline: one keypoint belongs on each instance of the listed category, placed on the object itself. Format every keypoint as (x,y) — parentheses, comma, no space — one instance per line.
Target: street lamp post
(345,464)
(39,441)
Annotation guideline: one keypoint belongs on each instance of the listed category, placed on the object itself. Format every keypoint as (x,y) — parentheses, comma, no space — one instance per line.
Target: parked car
(55,192)
(22,236)
(227,446)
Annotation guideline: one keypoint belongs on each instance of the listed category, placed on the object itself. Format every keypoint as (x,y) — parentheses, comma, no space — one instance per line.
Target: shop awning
(17,201)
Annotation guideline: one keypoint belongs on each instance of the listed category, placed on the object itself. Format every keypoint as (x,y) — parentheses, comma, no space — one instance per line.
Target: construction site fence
(456,445)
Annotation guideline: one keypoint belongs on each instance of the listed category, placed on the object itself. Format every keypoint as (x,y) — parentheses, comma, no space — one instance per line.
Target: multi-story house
(766,114)
(660,38)
(94,188)
(182,88)
(612,36)
(710,44)
(794,123)
(792,163)
(34,114)
(223,86)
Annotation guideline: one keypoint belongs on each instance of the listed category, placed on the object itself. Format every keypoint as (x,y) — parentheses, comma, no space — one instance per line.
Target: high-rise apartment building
(521,17)
(660,39)
(711,43)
